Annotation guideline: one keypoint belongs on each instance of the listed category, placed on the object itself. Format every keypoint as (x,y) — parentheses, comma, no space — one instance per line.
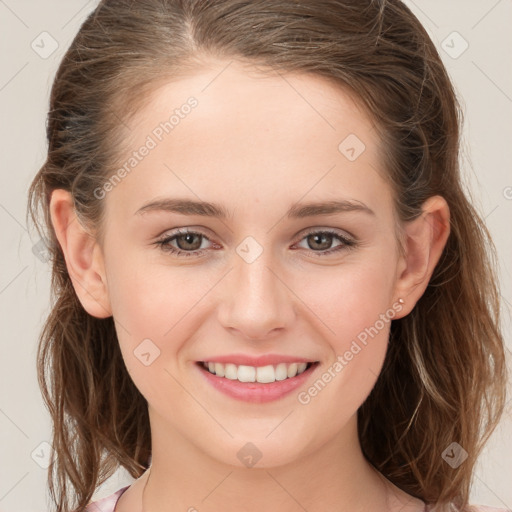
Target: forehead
(259,99)
(248,131)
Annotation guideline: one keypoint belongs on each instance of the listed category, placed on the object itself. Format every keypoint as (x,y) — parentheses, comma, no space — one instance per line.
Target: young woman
(271,290)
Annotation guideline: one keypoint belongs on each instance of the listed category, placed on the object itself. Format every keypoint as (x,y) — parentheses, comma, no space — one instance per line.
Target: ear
(424,240)
(83,255)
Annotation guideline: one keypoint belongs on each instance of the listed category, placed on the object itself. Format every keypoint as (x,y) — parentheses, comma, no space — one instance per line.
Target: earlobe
(83,255)
(424,241)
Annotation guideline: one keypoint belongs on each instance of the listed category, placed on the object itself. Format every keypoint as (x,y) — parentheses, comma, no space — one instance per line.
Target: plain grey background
(474,40)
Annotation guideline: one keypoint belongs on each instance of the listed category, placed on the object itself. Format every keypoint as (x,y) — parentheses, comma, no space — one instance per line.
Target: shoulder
(483,508)
(468,508)
(106,504)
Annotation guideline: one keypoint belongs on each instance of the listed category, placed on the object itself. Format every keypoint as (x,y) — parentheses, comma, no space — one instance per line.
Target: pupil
(318,237)
(188,237)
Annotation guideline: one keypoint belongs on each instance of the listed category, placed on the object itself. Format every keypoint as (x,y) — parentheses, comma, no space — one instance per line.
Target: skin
(255,144)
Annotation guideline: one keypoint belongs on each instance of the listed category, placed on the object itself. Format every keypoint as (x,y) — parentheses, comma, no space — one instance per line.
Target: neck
(334,477)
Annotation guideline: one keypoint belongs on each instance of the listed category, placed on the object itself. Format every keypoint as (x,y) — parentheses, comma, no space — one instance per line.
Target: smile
(256,384)
(261,374)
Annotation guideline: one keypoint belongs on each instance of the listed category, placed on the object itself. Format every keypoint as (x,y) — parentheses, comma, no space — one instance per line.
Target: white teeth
(262,374)
(265,374)
(301,367)
(230,371)
(281,371)
(217,368)
(246,373)
(292,370)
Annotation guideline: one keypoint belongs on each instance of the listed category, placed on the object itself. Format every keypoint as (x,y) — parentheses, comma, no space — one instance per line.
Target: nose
(256,303)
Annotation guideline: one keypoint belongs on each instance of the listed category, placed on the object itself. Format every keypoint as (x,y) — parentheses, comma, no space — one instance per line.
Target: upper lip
(263,360)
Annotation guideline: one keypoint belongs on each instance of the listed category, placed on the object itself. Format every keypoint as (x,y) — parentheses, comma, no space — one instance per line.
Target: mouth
(257,384)
(262,374)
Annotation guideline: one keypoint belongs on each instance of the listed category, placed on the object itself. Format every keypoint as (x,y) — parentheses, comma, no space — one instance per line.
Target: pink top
(108,504)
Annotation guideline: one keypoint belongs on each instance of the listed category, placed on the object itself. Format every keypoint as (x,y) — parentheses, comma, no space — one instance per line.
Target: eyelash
(164,244)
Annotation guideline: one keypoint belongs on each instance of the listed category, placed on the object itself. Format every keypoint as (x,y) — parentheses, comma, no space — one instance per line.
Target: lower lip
(256,392)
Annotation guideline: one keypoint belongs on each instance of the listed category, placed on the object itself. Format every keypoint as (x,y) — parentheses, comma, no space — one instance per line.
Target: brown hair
(444,375)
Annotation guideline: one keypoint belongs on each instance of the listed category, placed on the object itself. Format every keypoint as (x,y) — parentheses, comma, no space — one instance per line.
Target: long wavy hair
(444,377)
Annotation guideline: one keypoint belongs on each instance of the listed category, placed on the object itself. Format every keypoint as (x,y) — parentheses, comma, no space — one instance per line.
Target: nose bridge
(256,301)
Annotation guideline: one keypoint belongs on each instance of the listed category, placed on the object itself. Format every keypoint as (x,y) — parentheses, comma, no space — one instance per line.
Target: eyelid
(347,241)
(175,233)
(298,237)
(200,230)
(340,232)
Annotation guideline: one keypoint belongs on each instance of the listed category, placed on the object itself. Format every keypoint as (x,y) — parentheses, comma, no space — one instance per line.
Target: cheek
(156,309)
(351,298)
(355,308)
(150,298)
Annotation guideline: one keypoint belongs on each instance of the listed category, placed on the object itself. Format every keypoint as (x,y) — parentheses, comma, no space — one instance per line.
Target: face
(269,283)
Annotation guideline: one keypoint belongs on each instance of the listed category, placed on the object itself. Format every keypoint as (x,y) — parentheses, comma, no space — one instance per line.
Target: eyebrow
(296,211)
